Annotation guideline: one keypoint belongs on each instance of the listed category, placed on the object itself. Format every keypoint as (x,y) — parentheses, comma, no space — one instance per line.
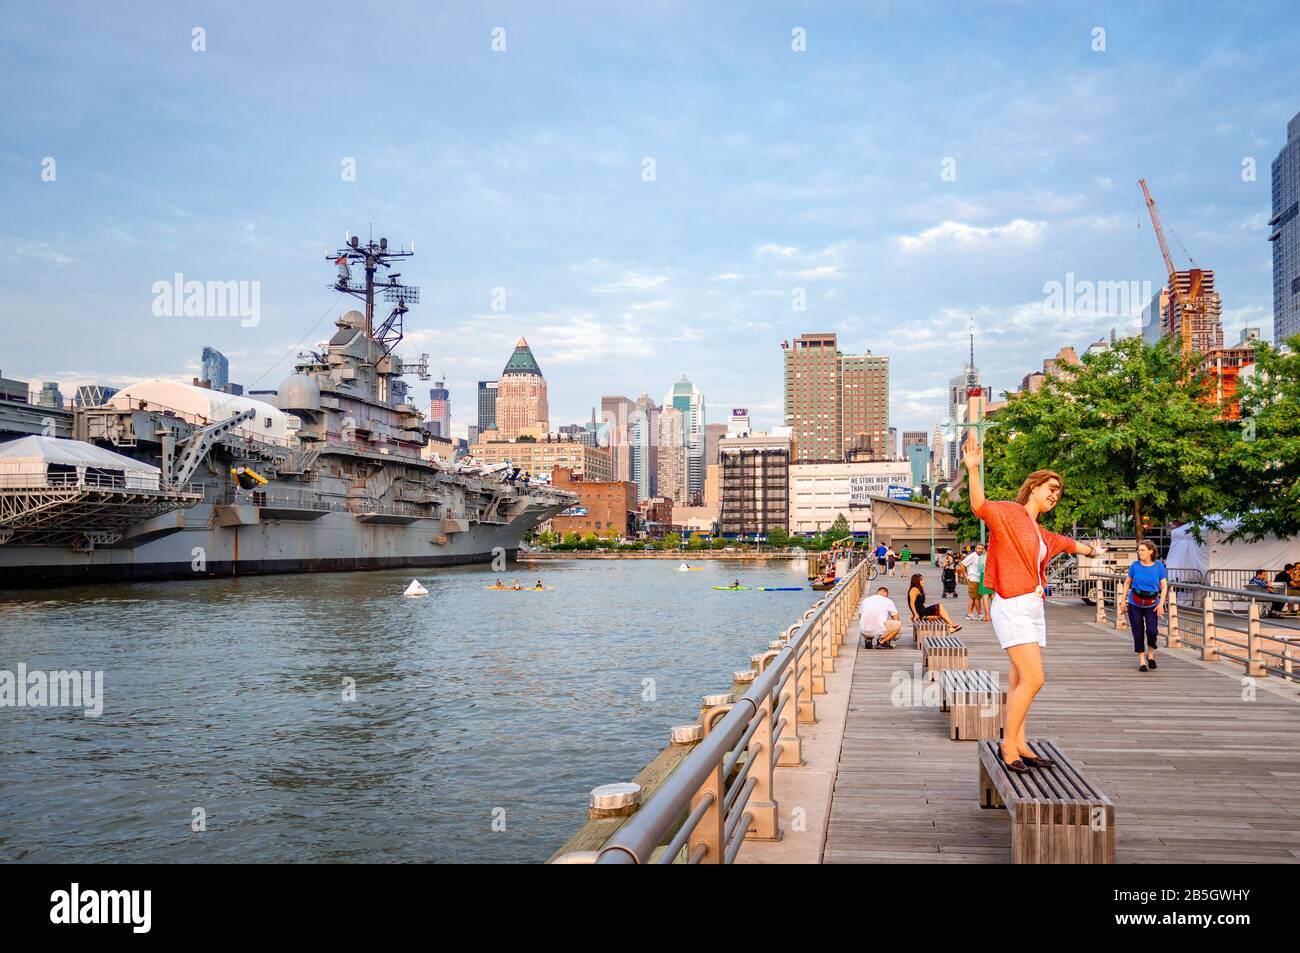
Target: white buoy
(683,568)
(415,589)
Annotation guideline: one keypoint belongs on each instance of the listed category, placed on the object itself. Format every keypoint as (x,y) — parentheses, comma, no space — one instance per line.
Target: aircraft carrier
(165,480)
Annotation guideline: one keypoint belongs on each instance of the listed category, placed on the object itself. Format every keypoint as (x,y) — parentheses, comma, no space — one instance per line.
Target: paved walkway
(1197,773)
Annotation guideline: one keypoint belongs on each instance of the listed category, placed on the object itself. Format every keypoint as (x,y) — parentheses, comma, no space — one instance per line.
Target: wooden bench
(941,652)
(975,702)
(922,628)
(1057,815)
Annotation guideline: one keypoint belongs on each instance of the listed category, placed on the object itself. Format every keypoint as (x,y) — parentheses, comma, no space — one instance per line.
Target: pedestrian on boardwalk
(882,558)
(1019,551)
(984,592)
(1293,589)
(970,569)
(1146,586)
(905,557)
(916,602)
(893,556)
(878,619)
(948,567)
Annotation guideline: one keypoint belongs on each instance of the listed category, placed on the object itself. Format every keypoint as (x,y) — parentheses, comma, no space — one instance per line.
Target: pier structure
(833,753)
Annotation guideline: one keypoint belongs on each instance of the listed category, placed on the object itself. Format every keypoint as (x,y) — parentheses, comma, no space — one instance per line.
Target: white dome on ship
(298,392)
(202,406)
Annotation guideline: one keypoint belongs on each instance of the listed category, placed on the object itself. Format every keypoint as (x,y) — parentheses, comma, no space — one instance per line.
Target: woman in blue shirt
(1145,589)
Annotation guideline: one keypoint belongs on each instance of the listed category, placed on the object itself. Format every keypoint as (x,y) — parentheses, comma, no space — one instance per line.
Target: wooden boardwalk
(1197,773)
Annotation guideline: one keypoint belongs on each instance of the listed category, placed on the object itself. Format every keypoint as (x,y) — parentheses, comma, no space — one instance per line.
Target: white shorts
(1019,620)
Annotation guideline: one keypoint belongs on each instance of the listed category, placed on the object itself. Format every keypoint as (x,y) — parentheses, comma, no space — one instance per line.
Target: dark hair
(918,581)
(1287,567)
(884,589)
(1261,572)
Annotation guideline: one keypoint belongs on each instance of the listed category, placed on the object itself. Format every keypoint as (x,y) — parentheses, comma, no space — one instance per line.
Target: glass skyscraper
(1285,236)
(216,369)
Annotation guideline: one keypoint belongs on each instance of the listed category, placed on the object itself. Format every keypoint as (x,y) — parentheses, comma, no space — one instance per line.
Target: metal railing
(1254,628)
(722,793)
(93,479)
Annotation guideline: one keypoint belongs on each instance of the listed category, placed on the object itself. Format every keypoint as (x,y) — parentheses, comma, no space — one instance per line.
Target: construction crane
(1188,304)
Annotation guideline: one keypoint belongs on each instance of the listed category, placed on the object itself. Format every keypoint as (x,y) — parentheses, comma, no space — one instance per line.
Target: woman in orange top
(1018,553)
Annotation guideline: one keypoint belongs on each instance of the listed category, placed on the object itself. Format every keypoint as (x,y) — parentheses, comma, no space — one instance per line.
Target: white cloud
(1019,230)
(785,251)
(632,281)
(726,276)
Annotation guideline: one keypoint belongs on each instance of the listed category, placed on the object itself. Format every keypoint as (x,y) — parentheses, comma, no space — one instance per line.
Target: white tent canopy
(49,461)
(1268,553)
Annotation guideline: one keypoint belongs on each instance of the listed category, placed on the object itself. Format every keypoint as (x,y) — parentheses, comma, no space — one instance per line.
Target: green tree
(572,539)
(778,536)
(672,540)
(839,529)
(1131,433)
(1261,476)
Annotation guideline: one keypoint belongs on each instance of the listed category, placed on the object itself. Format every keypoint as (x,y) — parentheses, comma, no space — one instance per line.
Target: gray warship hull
(196,545)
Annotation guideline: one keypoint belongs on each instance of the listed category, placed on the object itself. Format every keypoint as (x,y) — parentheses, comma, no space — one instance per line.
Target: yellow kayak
(520,589)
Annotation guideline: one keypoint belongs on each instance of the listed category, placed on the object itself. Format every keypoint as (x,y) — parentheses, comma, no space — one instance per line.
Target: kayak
(822,587)
(521,589)
(780,588)
(690,569)
(733,588)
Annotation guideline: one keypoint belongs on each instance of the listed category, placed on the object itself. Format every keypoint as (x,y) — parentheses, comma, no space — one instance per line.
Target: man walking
(905,558)
(971,565)
(878,619)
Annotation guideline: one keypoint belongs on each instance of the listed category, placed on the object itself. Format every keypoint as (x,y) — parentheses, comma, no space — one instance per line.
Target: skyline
(523,170)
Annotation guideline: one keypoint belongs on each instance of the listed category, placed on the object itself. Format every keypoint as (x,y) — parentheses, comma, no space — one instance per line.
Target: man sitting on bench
(878,619)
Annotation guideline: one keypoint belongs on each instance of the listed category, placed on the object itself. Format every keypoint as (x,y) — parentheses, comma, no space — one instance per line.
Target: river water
(480,722)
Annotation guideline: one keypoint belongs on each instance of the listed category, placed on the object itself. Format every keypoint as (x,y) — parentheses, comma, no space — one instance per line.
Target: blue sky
(774,170)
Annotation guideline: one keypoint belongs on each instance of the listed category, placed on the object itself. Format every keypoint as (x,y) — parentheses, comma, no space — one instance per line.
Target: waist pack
(1144,598)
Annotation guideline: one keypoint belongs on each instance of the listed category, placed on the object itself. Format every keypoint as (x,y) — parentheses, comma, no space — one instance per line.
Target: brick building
(602,505)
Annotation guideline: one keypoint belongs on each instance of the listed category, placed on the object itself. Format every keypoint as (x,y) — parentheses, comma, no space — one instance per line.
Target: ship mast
(370,257)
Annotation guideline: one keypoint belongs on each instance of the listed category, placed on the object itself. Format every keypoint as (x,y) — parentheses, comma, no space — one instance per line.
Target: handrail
(702,775)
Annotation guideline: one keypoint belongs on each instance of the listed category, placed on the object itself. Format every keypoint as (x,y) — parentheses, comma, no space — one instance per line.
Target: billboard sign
(864,486)
(903,493)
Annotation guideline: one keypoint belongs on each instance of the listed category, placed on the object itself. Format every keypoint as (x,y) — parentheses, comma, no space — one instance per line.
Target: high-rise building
(687,398)
(93,395)
(1202,317)
(712,434)
(812,397)
(50,395)
(836,404)
(1285,236)
(439,410)
(215,368)
(939,456)
(891,445)
(643,447)
(960,390)
(673,463)
(487,406)
(755,484)
(521,407)
(739,425)
(915,438)
(615,416)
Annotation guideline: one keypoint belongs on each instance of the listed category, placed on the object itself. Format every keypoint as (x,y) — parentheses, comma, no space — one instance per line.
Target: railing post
(1173,639)
(817,638)
(766,823)
(1254,658)
(791,750)
(1099,596)
(709,831)
(803,675)
(1209,643)
(1121,610)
